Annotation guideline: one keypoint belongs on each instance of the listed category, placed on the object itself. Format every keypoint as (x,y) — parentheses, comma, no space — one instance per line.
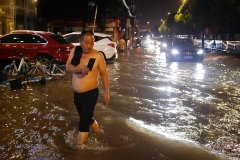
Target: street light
(92,4)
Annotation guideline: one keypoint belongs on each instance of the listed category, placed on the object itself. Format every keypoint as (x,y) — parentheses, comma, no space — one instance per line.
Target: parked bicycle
(39,69)
(10,71)
(31,71)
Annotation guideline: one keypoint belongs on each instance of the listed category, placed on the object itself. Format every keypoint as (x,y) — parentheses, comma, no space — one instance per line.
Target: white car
(102,42)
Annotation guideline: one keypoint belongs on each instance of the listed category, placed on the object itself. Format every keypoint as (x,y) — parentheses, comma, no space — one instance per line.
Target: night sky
(149,10)
(154,10)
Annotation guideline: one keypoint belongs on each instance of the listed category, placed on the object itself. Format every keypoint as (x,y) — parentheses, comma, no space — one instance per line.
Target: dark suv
(34,44)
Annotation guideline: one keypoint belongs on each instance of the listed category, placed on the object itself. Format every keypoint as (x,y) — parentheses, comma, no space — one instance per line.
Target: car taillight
(111,45)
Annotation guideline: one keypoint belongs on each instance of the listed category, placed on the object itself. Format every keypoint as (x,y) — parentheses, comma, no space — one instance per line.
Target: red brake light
(111,45)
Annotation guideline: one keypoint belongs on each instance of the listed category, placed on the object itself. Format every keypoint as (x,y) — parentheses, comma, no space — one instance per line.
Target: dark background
(147,10)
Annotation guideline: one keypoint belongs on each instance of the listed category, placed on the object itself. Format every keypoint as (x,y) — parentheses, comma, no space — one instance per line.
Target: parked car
(34,44)
(102,42)
(183,49)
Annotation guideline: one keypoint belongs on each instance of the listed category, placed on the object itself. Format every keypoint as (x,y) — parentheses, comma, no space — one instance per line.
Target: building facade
(17,14)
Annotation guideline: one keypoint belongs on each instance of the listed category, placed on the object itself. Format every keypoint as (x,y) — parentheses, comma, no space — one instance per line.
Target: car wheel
(45,59)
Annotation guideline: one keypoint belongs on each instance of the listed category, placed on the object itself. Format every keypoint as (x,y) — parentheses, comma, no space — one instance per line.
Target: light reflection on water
(200,101)
(161,130)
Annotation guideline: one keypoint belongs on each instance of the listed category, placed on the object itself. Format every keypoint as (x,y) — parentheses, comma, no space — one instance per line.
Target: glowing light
(164,45)
(200,51)
(174,66)
(199,71)
(161,130)
(175,51)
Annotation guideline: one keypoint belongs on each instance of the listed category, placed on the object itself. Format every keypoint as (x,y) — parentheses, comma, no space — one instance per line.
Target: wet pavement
(158,111)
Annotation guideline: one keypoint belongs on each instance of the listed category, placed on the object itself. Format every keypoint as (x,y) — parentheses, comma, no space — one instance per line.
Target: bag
(2,77)
(77,55)
(43,81)
(16,84)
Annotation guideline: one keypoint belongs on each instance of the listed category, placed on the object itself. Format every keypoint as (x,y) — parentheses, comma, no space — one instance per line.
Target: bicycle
(57,68)
(40,70)
(12,70)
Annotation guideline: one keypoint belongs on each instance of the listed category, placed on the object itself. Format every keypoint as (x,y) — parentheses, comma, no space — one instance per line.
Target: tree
(217,16)
(163,27)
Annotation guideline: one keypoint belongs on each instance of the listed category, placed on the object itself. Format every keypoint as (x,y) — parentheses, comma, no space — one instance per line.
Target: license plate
(188,57)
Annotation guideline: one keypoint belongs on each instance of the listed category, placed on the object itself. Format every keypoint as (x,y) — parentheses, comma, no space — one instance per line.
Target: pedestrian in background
(85,84)
(121,45)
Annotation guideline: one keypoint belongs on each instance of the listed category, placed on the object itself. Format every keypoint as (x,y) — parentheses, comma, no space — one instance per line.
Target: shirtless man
(85,85)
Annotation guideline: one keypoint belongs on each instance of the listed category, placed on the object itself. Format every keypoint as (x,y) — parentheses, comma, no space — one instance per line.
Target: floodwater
(158,111)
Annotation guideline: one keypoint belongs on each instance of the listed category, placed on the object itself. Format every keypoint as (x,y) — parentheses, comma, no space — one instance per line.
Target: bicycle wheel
(8,72)
(35,72)
(24,69)
(2,77)
(46,62)
(60,70)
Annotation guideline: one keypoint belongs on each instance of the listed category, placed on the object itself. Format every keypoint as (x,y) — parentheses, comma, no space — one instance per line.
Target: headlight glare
(200,51)
(164,45)
(175,51)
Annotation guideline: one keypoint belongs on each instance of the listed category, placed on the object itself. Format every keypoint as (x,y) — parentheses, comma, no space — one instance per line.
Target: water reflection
(199,73)
(190,100)
(174,66)
(161,130)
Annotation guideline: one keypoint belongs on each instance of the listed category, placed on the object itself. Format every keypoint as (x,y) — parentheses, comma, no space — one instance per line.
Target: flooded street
(158,111)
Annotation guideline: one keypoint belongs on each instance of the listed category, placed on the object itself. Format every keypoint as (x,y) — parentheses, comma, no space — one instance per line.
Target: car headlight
(164,45)
(200,51)
(175,51)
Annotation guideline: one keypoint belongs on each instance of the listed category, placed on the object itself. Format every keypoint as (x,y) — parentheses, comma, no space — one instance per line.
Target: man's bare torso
(82,83)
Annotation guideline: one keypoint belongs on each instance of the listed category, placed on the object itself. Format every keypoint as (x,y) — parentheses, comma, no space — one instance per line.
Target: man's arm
(104,77)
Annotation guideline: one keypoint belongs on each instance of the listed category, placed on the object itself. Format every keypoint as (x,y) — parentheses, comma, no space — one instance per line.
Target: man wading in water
(85,83)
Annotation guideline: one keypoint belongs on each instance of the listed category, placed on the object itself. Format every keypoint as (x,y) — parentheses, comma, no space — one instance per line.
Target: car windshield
(98,38)
(183,42)
(59,39)
(73,38)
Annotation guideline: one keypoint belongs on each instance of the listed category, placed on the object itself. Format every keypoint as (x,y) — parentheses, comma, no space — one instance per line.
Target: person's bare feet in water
(96,129)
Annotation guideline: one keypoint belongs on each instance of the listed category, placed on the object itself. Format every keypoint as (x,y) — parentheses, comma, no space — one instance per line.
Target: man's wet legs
(83,136)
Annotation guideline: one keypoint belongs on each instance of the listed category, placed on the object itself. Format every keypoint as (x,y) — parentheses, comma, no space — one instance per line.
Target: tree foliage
(215,16)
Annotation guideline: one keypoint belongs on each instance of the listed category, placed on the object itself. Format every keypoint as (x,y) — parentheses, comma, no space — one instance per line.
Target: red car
(34,44)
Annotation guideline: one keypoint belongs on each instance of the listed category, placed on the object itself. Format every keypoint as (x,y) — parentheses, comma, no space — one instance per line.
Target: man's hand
(107,98)
(83,70)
